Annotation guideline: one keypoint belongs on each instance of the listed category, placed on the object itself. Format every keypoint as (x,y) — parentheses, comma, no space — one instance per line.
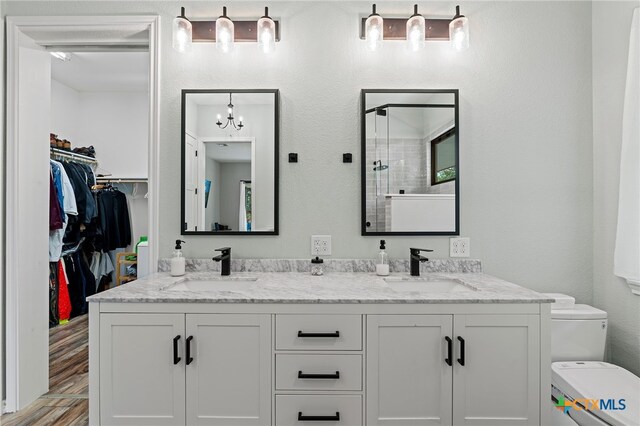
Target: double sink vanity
(451,346)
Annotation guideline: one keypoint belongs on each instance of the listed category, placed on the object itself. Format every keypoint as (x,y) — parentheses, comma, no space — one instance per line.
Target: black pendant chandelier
(230,118)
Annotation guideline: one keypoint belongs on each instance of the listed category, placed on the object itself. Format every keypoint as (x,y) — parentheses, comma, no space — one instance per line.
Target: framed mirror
(229,162)
(410,156)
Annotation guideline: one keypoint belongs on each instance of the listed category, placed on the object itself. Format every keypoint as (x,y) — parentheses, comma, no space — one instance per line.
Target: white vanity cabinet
(453,369)
(275,364)
(176,369)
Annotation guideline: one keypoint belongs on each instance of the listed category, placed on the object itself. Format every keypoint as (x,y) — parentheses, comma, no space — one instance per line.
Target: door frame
(77,30)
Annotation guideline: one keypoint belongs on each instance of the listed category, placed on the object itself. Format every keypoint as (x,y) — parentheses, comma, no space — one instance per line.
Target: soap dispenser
(178,261)
(382,265)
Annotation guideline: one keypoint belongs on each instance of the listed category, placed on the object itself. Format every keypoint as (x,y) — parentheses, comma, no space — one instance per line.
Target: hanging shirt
(55,213)
(69,207)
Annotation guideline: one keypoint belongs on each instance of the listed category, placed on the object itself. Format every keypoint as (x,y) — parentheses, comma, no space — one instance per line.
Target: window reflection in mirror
(409,166)
(230,171)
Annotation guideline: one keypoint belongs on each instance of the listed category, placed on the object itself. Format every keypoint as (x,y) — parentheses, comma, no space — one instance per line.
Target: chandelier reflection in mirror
(230,117)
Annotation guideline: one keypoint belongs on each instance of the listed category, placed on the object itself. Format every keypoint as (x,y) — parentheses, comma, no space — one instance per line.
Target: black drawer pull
(302,375)
(176,358)
(303,418)
(449,348)
(461,359)
(303,334)
(189,357)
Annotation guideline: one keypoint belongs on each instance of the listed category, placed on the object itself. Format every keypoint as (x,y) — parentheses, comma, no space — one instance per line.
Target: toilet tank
(578,332)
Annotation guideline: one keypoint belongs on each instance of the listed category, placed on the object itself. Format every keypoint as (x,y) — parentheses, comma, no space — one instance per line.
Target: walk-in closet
(98,207)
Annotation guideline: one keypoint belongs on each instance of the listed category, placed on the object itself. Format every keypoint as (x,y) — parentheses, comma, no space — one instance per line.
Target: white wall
(525,92)
(65,112)
(611,27)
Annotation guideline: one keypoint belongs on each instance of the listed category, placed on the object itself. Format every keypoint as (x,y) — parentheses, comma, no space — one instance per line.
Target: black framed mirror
(230,141)
(410,175)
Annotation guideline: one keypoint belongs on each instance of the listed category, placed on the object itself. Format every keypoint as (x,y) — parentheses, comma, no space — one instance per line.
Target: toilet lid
(578,312)
(601,380)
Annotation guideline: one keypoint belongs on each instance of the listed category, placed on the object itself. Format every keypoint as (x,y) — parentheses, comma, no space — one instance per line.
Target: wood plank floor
(67,402)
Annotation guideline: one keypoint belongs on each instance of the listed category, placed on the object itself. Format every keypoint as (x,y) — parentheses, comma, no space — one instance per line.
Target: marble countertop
(333,287)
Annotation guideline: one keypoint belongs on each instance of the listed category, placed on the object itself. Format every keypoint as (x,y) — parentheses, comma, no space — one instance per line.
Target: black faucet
(415,260)
(225,258)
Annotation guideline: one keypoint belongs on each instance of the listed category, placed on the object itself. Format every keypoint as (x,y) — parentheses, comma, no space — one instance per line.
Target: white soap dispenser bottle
(382,266)
(178,261)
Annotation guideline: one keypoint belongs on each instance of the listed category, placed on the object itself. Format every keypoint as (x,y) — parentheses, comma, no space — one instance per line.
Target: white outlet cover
(459,247)
(321,245)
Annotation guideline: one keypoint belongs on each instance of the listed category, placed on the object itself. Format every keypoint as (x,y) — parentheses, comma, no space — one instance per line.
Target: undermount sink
(427,285)
(237,284)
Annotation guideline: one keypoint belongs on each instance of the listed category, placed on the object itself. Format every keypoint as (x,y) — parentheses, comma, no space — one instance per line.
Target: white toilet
(578,336)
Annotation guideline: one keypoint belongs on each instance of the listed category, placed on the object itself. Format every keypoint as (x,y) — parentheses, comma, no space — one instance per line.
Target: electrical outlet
(459,247)
(321,245)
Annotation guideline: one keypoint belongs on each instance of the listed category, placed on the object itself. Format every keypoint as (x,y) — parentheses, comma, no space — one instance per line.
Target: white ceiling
(103,71)
(234,152)
(376,99)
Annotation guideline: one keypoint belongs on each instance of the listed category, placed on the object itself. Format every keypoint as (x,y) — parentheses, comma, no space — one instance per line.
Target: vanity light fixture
(181,32)
(225,33)
(230,119)
(415,30)
(266,33)
(374,30)
(459,31)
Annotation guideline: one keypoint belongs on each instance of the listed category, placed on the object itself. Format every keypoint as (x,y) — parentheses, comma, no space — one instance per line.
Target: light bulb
(240,119)
(181,32)
(219,117)
(415,31)
(230,111)
(224,32)
(459,31)
(266,30)
(374,30)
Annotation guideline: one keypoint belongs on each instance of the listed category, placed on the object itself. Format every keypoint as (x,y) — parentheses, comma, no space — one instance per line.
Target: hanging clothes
(53,295)
(67,200)
(55,213)
(114,221)
(64,302)
(81,182)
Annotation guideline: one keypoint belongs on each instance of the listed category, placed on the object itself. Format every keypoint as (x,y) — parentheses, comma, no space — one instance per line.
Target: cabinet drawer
(318,409)
(318,372)
(319,332)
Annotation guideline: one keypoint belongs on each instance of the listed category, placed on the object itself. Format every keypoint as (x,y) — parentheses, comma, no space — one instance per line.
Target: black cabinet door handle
(449,348)
(189,358)
(303,334)
(303,418)
(302,375)
(176,358)
(461,359)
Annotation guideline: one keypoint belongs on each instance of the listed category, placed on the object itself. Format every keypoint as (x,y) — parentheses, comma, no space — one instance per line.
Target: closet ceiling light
(224,32)
(63,56)
(414,30)
(230,118)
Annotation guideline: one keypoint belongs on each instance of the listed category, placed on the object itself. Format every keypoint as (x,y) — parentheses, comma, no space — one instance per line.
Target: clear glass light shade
(373,32)
(459,33)
(266,35)
(181,34)
(415,33)
(224,34)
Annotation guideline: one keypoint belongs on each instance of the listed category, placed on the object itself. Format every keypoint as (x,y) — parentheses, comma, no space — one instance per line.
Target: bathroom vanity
(288,348)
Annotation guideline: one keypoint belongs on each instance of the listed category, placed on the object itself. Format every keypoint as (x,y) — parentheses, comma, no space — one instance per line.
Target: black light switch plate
(347,158)
(293,157)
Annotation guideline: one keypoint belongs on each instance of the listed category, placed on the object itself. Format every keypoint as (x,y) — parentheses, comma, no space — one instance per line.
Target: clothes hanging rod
(104,179)
(72,155)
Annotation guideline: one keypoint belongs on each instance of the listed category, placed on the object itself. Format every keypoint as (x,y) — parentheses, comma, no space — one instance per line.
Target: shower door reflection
(410,143)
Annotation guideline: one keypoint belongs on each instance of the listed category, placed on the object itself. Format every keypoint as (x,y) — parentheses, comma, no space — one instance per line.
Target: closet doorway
(88,83)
